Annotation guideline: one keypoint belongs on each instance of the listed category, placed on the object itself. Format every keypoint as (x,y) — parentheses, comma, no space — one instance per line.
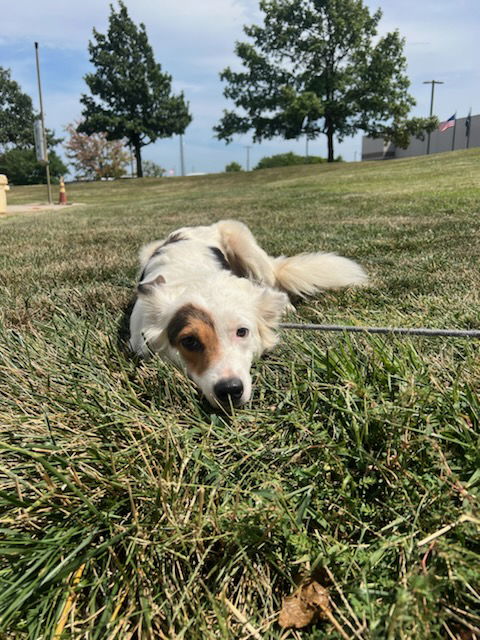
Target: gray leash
(421,331)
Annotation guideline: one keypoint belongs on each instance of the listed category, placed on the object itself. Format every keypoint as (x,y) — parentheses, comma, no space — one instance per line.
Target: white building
(378,149)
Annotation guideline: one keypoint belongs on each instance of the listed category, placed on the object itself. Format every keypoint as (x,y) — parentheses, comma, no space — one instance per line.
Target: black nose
(229,388)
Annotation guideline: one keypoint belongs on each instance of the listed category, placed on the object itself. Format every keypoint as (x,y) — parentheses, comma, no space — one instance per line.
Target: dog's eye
(191,343)
(242,332)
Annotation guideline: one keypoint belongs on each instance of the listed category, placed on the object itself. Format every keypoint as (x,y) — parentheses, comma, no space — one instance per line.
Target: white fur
(187,272)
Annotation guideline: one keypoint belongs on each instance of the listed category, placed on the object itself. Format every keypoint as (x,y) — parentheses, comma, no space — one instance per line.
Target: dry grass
(129,510)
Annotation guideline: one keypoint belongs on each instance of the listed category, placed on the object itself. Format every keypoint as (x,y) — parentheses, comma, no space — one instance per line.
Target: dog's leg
(301,275)
(245,256)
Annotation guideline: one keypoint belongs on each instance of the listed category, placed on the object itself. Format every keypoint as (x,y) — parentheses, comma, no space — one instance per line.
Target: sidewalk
(37,206)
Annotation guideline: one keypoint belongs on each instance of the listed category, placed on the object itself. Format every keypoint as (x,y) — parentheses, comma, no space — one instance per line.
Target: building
(378,149)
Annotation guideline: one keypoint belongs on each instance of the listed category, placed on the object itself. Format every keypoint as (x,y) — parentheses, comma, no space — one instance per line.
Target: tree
(94,157)
(232,167)
(21,166)
(317,67)
(16,114)
(134,99)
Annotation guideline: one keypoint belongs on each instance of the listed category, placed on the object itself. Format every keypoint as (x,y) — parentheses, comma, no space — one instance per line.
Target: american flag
(447,124)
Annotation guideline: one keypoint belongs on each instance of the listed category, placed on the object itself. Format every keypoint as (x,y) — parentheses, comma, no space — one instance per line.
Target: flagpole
(454,129)
(469,118)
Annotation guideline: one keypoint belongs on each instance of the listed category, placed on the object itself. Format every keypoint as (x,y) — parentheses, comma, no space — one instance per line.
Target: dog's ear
(146,288)
(270,307)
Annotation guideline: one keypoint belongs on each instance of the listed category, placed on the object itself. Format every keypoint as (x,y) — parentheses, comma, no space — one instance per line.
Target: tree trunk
(330,144)
(138,159)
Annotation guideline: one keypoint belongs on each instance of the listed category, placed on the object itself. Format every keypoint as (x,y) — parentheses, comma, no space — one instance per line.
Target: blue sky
(194,40)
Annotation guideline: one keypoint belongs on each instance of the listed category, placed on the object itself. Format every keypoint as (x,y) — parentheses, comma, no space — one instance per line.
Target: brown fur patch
(190,321)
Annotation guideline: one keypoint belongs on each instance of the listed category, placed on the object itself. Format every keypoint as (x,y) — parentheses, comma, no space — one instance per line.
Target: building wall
(377,149)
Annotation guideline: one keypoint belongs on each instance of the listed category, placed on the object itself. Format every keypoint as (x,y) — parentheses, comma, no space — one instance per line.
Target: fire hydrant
(3,192)
(62,197)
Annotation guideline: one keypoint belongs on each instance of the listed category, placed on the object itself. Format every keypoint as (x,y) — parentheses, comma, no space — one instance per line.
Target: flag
(447,124)
(468,123)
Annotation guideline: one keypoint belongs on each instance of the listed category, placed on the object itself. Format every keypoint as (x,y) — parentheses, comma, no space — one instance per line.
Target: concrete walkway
(38,206)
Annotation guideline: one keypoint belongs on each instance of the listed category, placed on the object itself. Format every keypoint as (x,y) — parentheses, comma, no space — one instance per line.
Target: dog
(209,299)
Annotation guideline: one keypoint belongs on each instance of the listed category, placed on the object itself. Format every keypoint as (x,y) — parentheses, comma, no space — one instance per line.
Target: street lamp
(433,83)
(248,147)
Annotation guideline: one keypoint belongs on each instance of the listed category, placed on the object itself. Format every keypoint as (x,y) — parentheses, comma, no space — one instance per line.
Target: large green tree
(17,156)
(16,114)
(318,67)
(131,96)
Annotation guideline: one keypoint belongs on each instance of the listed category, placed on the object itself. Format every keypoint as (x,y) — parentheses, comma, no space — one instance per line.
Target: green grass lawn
(129,510)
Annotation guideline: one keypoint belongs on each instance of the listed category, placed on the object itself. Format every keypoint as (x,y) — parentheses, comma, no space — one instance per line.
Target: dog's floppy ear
(146,288)
(271,305)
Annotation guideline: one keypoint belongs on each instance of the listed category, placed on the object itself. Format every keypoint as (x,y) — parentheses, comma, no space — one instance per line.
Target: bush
(287,160)
(233,166)
(21,167)
(152,169)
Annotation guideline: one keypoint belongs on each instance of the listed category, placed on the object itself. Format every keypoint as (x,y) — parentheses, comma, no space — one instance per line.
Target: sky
(194,40)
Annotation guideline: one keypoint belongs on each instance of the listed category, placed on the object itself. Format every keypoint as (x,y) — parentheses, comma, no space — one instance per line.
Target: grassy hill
(129,510)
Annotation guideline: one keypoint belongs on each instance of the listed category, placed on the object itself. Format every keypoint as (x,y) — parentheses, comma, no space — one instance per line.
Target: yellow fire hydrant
(3,192)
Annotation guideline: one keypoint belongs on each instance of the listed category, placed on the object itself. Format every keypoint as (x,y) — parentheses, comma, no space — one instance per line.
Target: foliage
(129,509)
(16,113)
(287,160)
(233,166)
(318,67)
(153,170)
(131,97)
(94,157)
(17,116)
(21,166)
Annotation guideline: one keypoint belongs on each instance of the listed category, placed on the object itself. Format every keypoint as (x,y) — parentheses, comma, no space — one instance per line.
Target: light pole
(42,119)
(182,160)
(433,83)
(248,156)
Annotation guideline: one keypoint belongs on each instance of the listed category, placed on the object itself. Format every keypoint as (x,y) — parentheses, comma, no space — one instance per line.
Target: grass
(129,510)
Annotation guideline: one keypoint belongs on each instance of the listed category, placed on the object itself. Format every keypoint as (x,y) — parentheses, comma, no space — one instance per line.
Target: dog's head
(214,335)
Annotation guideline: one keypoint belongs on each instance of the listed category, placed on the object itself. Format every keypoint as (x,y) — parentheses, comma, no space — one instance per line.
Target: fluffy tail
(307,273)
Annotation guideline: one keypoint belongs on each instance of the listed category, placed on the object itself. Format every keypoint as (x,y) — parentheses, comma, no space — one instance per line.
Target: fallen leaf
(306,605)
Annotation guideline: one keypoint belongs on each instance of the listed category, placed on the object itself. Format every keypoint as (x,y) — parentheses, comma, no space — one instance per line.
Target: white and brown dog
(209,299)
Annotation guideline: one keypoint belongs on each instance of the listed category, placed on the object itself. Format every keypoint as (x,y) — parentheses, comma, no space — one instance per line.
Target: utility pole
(182,160)
(247,147)
(306,146)
(433,83)
(42,119)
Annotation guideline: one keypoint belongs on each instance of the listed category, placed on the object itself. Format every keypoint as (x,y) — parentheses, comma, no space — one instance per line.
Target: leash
(420,331)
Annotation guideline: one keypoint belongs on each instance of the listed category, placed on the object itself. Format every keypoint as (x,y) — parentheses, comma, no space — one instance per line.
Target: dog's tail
(307,273)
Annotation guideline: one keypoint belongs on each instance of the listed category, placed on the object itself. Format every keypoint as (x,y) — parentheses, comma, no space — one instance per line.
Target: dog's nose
(229,388)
